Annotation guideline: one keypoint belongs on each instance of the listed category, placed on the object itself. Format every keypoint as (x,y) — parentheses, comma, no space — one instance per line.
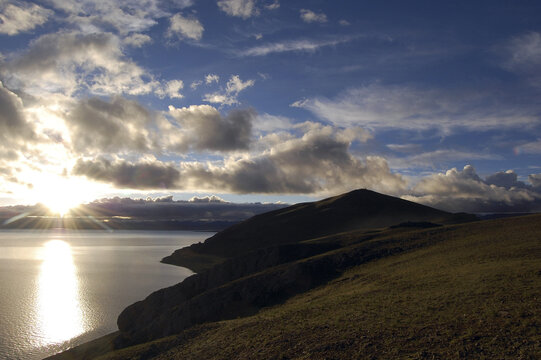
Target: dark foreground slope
(461,291)
(359,209)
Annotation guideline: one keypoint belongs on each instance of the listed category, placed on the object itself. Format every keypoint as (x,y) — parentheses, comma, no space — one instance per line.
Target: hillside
(356,210)
(451,292)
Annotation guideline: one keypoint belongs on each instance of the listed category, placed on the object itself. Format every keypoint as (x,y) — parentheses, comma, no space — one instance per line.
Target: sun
(61,194)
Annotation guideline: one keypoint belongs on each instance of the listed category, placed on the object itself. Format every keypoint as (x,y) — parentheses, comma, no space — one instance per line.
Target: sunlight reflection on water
(59,309)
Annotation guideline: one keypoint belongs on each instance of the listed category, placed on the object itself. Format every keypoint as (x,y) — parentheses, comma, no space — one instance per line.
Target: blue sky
(254,100)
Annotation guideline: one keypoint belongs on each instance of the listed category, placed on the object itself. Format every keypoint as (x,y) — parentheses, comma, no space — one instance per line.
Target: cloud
(229,97)
(344,22)
(19,17)
(240,8)
(210,78)
(118,125)
(65,62)
(318,162)
(523,53)
(205,208)
(137,40)
(126,175)
(292,45)
(464,190)
(533,147)
(171,89)
(202,127)
(124,16)
(400,107)
(195,84)
(185,27)
(207,199)
(14,127)
(309,16)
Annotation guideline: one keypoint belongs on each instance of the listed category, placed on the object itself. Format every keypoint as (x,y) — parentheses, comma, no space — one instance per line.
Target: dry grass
(475,293)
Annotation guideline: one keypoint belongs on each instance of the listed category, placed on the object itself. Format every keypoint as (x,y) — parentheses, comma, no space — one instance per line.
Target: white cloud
(293,45)
(195,84)
(309,16)
(239,8)
(229,97)
(344,22)
(66,62)
(210,78)
(171,89)
(137,40)
(273,6)
(185,27)
(399,107)
(126,16)
(21,17)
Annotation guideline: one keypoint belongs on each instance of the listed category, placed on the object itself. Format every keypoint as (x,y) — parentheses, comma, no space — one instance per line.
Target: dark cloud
(465,191)
(122,174)
(118,125)
(319,162)
(13,125)
(204,128)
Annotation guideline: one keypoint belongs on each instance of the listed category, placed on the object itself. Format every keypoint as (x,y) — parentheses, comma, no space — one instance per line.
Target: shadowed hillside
(450,292)
(356,210)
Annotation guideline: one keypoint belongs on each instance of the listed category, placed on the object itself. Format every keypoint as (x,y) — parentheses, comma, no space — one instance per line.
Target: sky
(271,101)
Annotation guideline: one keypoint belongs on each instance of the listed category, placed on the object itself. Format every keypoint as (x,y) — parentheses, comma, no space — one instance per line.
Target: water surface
(60,288)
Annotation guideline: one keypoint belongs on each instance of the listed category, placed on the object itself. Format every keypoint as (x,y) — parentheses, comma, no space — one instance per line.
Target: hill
(356,210)
(451,292)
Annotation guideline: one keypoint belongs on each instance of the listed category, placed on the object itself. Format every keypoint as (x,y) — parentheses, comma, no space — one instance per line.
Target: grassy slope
(476,294)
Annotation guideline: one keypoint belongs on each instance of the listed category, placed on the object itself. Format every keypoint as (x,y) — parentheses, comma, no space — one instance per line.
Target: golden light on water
(59,308)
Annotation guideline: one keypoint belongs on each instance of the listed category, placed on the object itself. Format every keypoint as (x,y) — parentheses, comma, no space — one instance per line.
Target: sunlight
(61,194)
(60,315)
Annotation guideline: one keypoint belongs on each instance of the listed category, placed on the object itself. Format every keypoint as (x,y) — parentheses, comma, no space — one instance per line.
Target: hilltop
(355,210)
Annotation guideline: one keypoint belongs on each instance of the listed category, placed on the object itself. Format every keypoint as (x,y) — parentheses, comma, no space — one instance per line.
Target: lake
(60,288)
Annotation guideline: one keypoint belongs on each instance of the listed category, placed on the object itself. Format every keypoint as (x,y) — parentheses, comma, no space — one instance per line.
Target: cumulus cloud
(292,45)
(185,27)
(118,125)
(195,84)
(400,107)
(464,190)
(126,175)
(309,16)
(229,96)
(210,78)
(319,162)
(66,61)
(204,128)
(171,89)
(207,199)
(239,8)
(19,17)
(137,40)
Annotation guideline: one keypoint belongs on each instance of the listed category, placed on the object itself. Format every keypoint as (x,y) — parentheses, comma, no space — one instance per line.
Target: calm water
(60,288)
